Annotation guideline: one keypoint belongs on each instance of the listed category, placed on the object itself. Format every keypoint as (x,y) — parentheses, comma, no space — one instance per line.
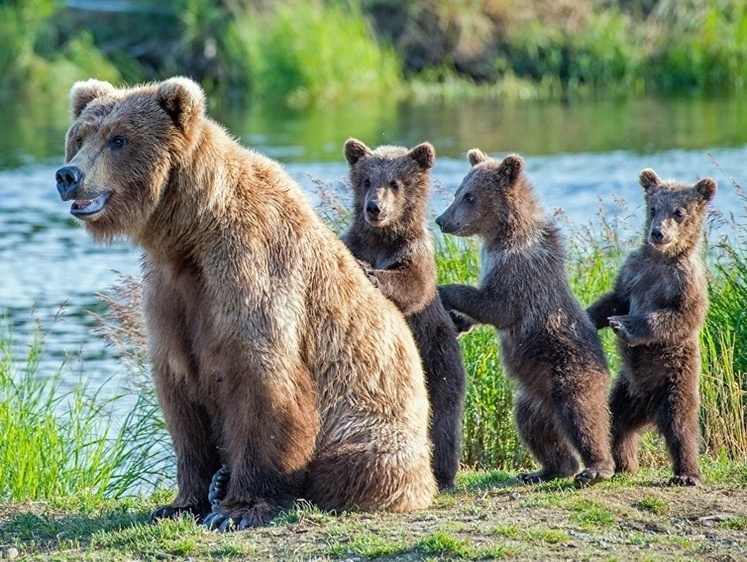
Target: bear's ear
(424,154)
(355,150)
(475,157)
(83,93)
(182,99)
(707,188)
(511,168)
(648,179)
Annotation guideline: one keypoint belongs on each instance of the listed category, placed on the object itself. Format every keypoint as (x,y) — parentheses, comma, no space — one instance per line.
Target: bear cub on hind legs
(548,344)
(390,237)
(656,309)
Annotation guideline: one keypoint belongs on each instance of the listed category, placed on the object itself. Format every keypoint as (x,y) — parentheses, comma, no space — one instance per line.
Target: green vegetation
(321,52)
(56,442)
(508,521)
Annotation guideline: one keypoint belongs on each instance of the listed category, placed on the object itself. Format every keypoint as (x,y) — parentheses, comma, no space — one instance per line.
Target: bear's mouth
(87,208)
(377,220)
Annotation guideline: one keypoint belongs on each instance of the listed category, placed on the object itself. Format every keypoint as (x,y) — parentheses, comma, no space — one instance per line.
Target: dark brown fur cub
(657,308)
(390,236)
(270,350)
(548,344)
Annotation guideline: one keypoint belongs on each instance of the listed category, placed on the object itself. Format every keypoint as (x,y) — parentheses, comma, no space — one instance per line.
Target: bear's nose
(440,221)
(657,235)
(68,180)
(373,209)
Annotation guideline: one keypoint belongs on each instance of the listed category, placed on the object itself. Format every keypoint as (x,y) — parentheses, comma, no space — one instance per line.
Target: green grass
(56,443)
(480,523)
(315,53)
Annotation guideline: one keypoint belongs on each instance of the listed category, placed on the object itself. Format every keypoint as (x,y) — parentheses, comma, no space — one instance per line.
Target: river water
(579,156)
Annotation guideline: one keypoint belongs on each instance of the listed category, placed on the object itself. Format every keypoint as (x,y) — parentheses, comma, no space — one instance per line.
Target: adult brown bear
(270,349)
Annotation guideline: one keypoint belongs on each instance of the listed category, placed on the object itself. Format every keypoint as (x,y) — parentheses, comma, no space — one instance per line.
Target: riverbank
(315,52)
(489,516)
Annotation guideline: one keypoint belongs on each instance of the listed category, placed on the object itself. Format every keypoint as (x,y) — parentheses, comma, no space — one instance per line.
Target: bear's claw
(590,476)
(684,480)
(217,490)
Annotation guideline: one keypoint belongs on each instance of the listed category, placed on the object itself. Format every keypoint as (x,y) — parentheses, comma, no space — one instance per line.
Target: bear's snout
(657,235)
(69,179)
(372,209)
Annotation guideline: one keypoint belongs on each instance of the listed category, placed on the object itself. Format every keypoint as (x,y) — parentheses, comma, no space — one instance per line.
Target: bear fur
(390,236)
(270,349)
(548,344)
(656,309)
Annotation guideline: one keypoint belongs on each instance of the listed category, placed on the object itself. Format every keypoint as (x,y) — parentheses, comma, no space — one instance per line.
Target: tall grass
(36,60)
(315,52)
(56,442)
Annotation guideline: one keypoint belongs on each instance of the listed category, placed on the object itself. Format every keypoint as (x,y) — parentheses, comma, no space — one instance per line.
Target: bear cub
(390,238)
(548,344)
(656,309)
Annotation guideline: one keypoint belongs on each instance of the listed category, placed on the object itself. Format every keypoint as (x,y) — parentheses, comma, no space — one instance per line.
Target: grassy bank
(317,52)
(488,517)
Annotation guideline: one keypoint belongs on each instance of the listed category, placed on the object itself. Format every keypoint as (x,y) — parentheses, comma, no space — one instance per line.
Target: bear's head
(122,147)
(484,200)
(390,184)
(676,212)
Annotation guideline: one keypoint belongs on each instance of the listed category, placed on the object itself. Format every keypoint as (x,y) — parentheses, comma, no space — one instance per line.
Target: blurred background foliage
(319,52)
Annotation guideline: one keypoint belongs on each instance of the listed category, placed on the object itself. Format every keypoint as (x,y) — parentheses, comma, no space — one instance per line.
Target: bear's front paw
(622,331)
(684,480)
(173,511)
(369,271)
(590,476)
(240,517)
(462,322)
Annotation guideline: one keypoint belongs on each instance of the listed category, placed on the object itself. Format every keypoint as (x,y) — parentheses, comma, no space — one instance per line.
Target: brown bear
(390,237)
(270,349)
(548,344)
(656,309)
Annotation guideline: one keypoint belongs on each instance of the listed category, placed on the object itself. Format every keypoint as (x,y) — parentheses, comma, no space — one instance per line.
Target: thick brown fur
(657,308)
(270,349)
(390,236)
(548,344)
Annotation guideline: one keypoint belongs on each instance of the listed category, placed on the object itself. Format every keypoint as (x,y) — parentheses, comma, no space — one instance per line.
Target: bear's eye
(117,142)
(394,184)
(78,141)
(652,211)
(678,214)
(366,183)
(469,198)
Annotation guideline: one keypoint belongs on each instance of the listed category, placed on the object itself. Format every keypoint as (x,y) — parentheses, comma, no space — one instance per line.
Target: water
(578,155)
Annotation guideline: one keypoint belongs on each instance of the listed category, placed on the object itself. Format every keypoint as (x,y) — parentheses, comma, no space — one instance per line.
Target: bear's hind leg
(549,446)
(677,420)
(269,434)
(582,413)
(372,473)
(446,383)
(629,416)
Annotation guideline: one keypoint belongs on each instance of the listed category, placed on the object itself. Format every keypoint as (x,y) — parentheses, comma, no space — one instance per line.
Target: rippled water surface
(578,155)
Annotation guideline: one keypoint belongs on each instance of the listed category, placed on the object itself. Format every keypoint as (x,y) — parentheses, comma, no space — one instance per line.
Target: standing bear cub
(390,237)
(548,344)
(656,309)
(271,351)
